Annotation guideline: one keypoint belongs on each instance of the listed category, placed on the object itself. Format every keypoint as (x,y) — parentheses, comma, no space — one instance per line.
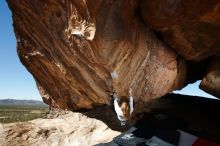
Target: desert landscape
(21,110)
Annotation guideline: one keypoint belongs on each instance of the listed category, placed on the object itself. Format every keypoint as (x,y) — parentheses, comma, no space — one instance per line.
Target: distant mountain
(21,102)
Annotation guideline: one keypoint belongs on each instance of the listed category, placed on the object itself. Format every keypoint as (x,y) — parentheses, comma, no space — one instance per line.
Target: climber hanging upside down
(123,106)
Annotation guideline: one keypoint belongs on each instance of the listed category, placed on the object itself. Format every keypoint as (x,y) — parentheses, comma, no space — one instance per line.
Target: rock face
(79,51)
(211,81)
(67,130)
(192,28)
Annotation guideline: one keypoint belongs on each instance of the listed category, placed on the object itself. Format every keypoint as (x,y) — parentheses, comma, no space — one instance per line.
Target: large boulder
(192,28)
(211,81)
(79,51)
(72,129)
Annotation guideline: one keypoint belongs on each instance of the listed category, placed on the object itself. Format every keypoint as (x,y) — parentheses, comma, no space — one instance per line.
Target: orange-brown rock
(79,50)
(192,28)
(211,81)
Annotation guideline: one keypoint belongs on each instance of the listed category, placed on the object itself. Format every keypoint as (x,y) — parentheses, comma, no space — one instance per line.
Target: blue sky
(193,89)
(16,82)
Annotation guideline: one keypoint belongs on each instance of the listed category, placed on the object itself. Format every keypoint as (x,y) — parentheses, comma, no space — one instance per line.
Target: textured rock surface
(72,129)
(79,50)
(211,81)
(192,28)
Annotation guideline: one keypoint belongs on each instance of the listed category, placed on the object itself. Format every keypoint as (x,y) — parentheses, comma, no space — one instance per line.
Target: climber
(123,107)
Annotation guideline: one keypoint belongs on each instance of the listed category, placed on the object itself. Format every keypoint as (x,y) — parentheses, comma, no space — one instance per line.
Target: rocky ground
(71,128)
